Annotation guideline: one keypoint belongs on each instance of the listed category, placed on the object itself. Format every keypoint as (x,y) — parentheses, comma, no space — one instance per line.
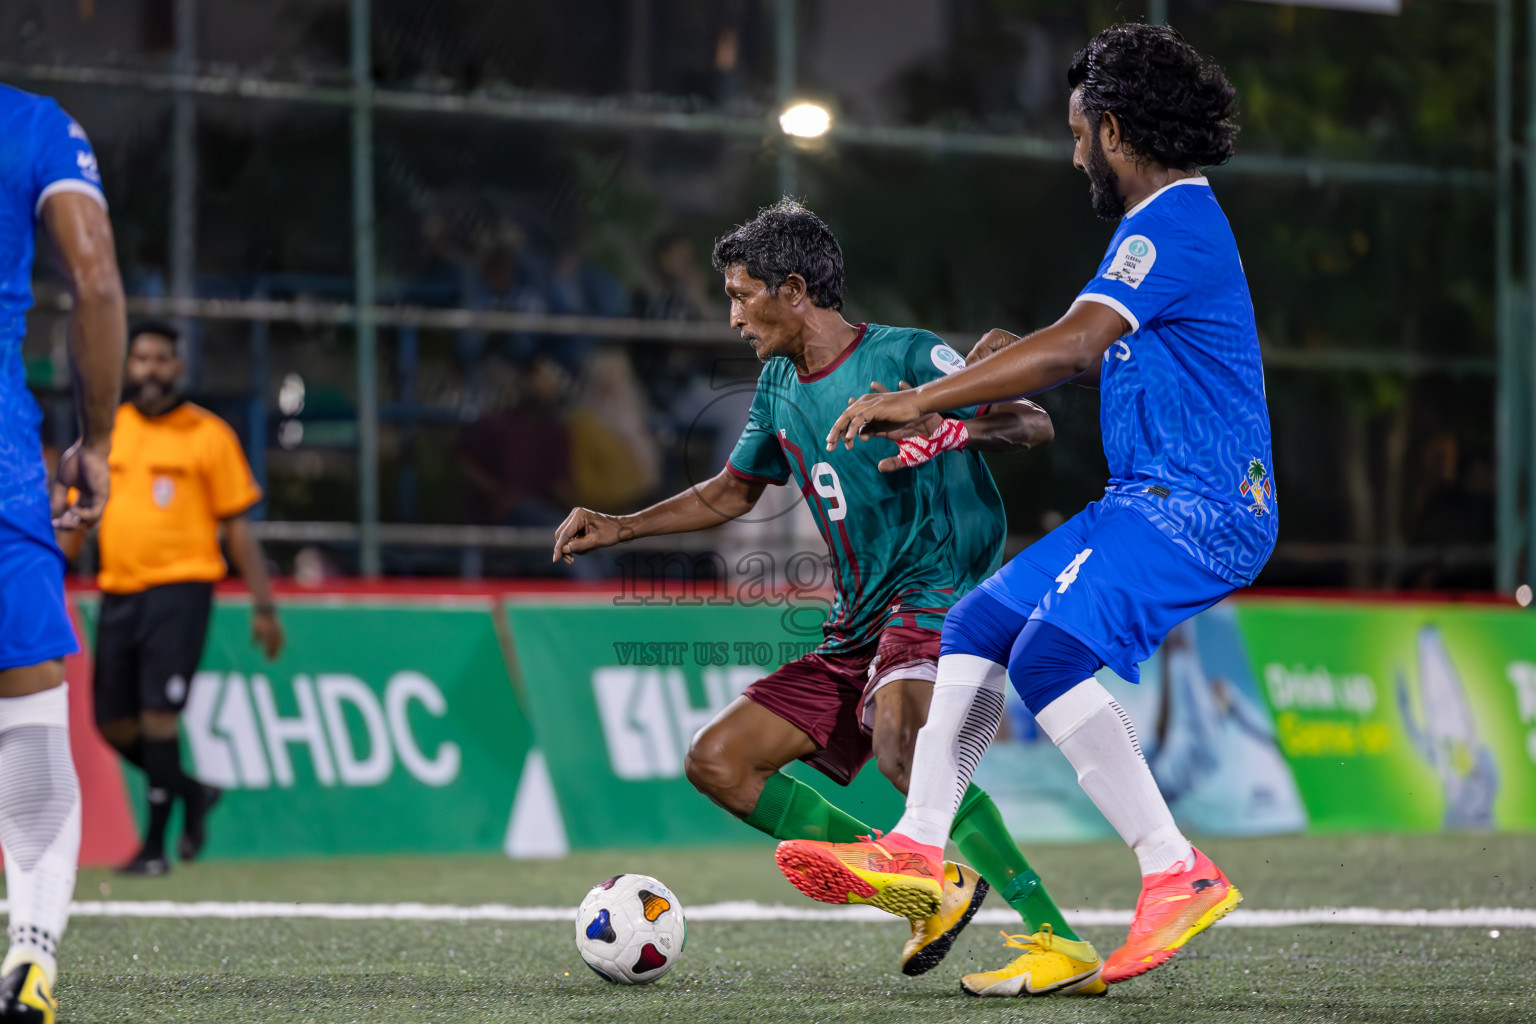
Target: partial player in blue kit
(48,173)
(1189,513)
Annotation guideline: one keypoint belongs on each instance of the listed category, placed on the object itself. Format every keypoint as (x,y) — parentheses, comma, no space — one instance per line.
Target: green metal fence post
(784,44)
(184,187)
(1509,417)
(363,275)
(1526,339)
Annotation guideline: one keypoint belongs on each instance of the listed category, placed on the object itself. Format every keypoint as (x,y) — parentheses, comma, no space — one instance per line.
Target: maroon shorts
(829,697)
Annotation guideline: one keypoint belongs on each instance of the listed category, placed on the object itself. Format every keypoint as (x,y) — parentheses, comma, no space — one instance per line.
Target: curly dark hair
(785,239)
(1174,105)
(157,327)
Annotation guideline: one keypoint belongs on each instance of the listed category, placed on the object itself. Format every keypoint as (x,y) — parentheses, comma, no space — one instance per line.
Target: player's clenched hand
(583,531)
(992,342)
(874,414)
(84,468)
(909,437)
(917,428)
(948,436)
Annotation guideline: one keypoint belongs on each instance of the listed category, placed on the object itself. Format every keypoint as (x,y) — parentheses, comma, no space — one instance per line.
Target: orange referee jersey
(174,478)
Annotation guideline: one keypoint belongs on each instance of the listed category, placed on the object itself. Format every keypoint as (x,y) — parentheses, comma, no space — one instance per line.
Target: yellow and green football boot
(932,937)
(26,997)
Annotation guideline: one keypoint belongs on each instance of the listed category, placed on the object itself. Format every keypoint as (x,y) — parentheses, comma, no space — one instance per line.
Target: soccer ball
(630,929)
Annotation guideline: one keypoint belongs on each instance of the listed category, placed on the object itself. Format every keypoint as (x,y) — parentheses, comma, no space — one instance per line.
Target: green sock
(789,809)
(982,837)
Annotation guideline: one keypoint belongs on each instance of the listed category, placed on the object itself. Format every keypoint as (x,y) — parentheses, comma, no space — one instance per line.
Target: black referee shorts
(147,648)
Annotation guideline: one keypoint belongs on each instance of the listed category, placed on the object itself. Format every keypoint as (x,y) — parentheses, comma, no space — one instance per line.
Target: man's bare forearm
(1058,353)
(1018,424)
(718,500)
(98,334)
(97,343)
(245,551)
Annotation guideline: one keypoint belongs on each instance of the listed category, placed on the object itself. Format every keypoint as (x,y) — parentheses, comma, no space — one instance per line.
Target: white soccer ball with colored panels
(630,929)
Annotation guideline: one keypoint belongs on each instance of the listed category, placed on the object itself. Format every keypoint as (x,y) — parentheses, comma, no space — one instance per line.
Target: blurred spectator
(513,274)
(684,289)
(1454,505)
(314,567)
(615,460)
(516,461)
(578,287)
(513,277)
(1455,500)
(707,421)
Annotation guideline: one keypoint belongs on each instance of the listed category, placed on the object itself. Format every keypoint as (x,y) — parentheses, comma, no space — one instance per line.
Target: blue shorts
(1111,579)
(34,620)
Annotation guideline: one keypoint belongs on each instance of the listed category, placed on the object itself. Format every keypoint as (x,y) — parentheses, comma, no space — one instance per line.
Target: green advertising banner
(382,728)
(617,693)
(1401,717)
(394,727)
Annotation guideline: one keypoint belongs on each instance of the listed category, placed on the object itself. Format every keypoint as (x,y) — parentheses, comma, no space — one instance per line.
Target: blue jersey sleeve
(1147,269)
(930,357)
(62,158)
(757,455)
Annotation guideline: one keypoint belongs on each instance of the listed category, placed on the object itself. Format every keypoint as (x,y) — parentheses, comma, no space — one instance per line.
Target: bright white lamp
(806,120)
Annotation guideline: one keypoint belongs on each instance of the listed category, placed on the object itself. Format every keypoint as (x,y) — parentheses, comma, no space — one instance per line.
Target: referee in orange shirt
(178,474)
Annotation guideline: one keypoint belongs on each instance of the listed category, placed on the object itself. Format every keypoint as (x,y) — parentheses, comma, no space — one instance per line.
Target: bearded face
(1103,182)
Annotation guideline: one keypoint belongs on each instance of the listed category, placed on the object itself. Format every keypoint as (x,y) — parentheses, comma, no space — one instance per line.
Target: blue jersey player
(1189,513)
(48,175)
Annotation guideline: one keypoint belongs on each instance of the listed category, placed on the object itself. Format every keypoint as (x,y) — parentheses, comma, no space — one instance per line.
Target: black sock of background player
(162,762)
(133,753)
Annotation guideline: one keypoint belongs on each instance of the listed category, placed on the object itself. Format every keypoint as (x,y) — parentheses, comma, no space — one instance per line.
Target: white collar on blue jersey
(1200,180)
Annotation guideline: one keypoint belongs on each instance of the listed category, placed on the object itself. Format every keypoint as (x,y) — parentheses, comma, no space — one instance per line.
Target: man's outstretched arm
(1017,424)
(97,341)
(1058,353)
(718,500)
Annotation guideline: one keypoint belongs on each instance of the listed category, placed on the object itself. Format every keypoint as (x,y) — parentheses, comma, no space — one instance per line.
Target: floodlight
(806,120)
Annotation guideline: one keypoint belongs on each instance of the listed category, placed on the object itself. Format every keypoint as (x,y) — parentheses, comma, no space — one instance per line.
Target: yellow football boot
(932,937)
(25,996)
(1050,965)
(892,872)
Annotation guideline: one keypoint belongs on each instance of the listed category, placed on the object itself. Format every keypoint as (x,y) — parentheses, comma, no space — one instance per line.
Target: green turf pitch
(344,971)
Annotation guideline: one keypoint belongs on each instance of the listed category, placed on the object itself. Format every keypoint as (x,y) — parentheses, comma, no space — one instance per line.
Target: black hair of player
(785,239)
(1175,106)
(156,327)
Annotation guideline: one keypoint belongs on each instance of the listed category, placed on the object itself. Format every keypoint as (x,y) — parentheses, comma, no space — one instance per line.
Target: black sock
(133,753)
(162,763)
(160,803)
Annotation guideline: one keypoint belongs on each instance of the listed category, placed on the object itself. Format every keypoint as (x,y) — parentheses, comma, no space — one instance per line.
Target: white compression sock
(39,824)
(962,721)
(1097,736)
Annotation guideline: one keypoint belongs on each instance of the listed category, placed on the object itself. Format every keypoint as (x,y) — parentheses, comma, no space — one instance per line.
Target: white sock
(962,721)
(1097,736)
(39,824)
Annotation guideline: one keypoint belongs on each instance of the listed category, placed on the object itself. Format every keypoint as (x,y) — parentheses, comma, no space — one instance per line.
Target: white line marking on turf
(1470,917)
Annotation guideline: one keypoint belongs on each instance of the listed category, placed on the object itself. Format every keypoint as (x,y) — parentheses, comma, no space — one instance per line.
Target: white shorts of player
(926,670)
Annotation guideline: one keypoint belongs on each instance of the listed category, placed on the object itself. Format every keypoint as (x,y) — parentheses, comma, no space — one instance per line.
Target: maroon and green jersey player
(905,545)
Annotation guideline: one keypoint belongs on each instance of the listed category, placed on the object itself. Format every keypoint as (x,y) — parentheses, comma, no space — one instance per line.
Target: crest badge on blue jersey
(1256,487)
